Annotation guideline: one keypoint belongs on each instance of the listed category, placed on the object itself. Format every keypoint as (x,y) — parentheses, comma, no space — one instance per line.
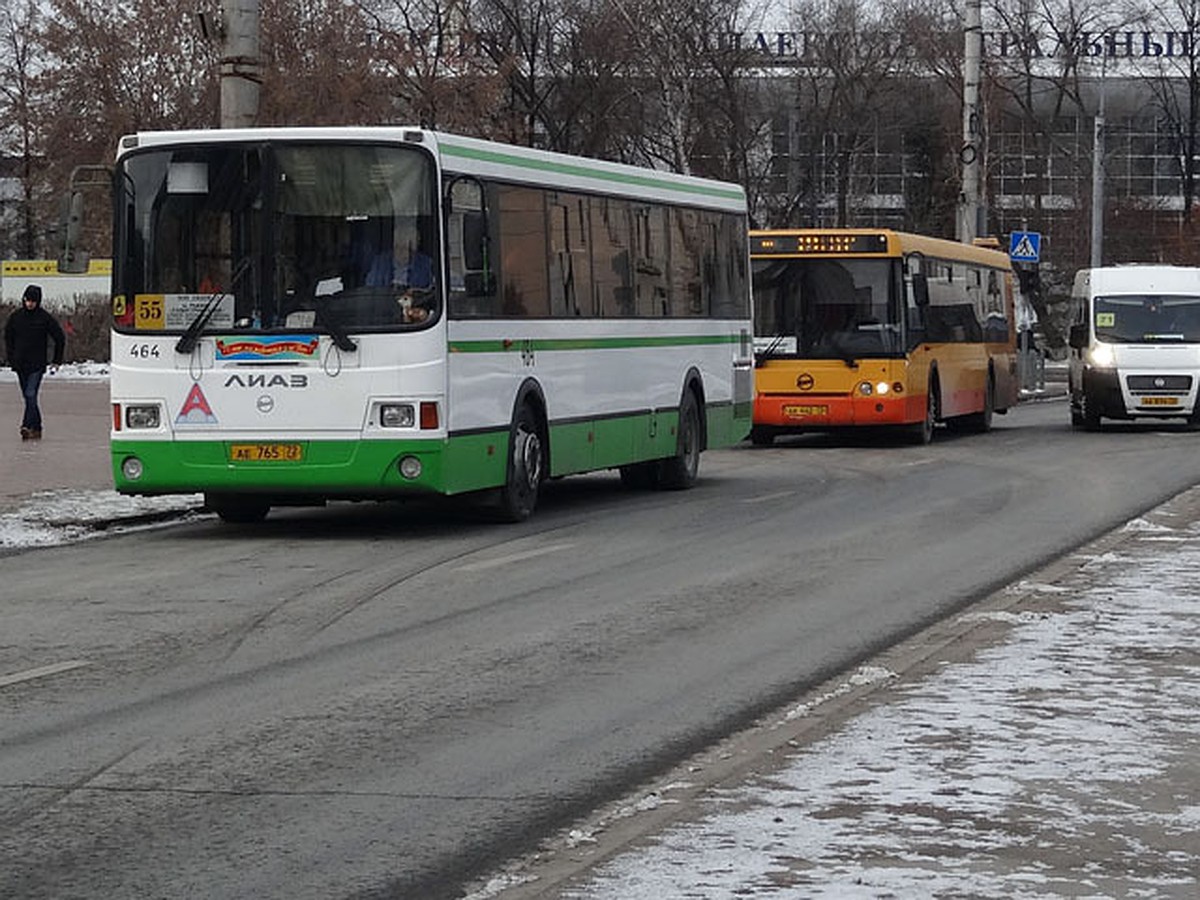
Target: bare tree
(847,90)
(319,66)
(20,137)
(1175,81)
(430,56)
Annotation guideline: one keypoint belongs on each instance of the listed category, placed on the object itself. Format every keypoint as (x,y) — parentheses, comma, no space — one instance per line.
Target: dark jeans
(30,383)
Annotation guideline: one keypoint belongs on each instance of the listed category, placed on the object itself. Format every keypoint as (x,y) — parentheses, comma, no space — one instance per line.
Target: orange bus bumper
(828,411)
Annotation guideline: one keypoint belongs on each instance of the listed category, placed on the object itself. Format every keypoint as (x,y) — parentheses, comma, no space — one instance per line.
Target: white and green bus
(578,315)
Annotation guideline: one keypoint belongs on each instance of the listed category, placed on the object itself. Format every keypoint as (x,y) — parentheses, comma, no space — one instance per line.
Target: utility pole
(1098,176)
(970,207)
(241,68)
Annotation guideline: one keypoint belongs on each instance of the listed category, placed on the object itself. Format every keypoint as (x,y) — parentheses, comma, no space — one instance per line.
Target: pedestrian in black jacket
(27,335)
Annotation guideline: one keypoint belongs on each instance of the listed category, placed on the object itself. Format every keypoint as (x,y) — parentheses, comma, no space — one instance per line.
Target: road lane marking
(779,495)
(42,671)
(514,557)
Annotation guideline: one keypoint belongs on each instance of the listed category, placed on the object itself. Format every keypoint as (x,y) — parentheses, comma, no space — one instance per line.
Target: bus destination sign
(823,242)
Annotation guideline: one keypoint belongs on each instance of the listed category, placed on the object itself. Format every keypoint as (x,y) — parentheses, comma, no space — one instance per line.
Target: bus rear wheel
(979,422)
(237,510)
(526,466)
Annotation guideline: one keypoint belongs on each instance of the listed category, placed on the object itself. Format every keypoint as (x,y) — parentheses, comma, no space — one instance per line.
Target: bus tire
(237,510)
(981,422)
(679,472)
(526,467)
(922,432)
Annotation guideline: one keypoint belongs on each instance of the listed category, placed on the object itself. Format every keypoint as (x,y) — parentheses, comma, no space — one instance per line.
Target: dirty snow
(1059,762)
(48,518)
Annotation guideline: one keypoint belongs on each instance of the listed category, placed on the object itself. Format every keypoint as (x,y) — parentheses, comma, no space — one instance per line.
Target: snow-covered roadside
(49,518)
(1060,762)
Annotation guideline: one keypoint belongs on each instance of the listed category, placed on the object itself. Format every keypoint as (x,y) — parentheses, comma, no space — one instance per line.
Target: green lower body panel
(318,468)
(371,468)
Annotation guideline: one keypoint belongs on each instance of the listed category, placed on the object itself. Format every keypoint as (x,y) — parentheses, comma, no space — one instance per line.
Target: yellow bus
(873,327)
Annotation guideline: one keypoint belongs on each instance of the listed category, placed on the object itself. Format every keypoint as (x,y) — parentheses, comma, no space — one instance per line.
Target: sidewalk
(1044,744)
(73,452)
(60,488)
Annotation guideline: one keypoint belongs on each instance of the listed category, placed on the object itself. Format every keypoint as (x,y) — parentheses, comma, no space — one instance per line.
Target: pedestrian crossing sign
(1025,246)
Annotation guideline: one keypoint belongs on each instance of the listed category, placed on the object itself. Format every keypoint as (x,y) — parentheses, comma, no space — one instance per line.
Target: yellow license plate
(1160,401)
(266,452)
(800,412)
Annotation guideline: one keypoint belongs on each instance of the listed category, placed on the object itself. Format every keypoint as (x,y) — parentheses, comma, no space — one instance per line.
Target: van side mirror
(1078,337)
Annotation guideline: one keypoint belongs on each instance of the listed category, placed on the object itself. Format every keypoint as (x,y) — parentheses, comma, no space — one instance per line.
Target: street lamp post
(970,205)
(1098,175)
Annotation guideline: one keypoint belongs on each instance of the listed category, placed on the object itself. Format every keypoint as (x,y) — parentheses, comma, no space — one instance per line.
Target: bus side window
(469,248)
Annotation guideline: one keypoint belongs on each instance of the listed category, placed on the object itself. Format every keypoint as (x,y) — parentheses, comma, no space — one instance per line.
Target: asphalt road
(382,701)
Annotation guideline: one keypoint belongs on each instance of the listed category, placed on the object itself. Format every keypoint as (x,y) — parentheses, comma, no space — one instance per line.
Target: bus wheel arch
(527,457)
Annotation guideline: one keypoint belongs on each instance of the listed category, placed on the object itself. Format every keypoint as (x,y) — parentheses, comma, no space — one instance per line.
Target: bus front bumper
(793,411)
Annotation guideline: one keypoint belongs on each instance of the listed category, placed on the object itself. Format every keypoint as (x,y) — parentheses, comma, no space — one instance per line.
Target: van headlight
(1101,356)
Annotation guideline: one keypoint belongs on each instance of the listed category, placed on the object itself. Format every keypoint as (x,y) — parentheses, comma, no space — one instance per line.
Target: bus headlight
(141,416)
(882,388)
(866,389)
(397,415)
(131,468)
(1101,356)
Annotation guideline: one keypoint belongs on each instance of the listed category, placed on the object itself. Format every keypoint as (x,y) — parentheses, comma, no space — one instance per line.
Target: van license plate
(1160,401)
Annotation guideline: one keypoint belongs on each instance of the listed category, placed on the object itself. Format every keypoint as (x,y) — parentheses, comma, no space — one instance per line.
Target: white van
(1135,344)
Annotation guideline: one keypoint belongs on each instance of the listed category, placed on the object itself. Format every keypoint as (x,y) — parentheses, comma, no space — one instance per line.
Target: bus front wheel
(680,471)
(922,432)
(526,466)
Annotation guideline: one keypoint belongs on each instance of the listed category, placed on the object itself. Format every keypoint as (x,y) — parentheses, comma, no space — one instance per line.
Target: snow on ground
(83,371)
(49,518)
(1059,762)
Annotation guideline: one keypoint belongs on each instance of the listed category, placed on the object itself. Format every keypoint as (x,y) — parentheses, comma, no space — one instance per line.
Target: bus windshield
(1147,319)
(260,236)
(827,308)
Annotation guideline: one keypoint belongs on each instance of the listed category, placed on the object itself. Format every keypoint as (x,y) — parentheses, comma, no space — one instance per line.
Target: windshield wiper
(342,340)
(187,343)
(760,356)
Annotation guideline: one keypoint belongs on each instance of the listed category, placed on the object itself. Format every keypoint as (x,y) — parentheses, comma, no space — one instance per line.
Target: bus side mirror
(72,260)
(920,285)
(1078,337)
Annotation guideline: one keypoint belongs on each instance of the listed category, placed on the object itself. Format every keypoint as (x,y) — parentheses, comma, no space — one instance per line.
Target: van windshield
(1147,319)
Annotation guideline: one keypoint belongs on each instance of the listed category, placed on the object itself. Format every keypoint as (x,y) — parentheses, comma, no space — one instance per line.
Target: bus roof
(867,242)
(474,156)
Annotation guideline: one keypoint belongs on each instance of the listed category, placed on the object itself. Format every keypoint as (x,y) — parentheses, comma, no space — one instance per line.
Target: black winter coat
(27,335)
